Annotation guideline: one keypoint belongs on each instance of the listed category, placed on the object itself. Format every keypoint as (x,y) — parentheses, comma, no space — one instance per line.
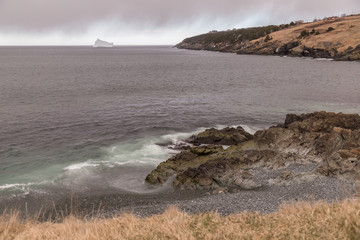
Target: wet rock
(226,136)
(328,140)
(227,170)
(322,121)
(170,167)
(193,157)
(206,150)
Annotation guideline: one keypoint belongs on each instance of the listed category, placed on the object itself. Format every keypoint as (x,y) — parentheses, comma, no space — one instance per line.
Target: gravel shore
(305,186)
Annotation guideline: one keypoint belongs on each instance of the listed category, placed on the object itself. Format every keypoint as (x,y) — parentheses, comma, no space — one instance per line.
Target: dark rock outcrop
(192,157)
(226,136)
(351,54)
(292,48)
(328,142)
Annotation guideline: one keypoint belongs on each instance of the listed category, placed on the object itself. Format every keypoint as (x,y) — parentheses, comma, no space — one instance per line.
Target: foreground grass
(297,221)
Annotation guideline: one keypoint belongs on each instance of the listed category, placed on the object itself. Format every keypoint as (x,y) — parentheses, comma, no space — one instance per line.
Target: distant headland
(332,37)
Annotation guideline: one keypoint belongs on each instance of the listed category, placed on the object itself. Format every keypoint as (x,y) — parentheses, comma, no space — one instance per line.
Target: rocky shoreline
(310,157)
(291,49)
(304,148)
(264,199)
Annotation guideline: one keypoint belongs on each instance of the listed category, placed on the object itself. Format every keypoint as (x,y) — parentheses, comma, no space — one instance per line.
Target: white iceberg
(101,43)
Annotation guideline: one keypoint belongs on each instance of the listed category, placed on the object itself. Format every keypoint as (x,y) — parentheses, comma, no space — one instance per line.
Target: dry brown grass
(346,34)
(297,221)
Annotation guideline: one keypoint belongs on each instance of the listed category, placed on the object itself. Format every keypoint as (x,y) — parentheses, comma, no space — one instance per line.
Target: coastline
(263,200)
(334,38)
(305,53)
(294,165)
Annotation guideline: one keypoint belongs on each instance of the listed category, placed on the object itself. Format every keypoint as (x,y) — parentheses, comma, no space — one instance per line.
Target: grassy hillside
(345,33)
(233,36)
(336,38)
(301,221)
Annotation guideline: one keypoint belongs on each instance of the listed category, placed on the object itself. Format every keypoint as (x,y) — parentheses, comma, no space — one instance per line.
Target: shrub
(268,38)
(330,29)
(304,34)
(317,33)
(238,35)
(312,31)
(292,24)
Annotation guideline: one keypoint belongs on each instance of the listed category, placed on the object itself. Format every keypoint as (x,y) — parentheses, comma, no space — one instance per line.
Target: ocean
(91,120)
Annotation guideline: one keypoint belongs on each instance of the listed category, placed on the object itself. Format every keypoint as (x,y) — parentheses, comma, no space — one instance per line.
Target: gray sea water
(90,119)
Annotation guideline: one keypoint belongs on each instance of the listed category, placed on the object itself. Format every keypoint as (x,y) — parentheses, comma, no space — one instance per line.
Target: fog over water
(65,22)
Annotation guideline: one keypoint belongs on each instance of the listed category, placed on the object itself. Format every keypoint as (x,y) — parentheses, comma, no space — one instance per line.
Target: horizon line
(82,45)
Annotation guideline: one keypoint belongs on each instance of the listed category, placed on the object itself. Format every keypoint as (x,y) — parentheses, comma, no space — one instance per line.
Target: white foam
(22,189)
(149,153)
(176,139)
(78,166)
(146,151)
(15,185)
(183,135)
(250,129)
(324,59)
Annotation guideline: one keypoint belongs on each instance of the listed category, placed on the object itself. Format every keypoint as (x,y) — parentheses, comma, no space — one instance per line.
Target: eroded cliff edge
(336,38)
(305,147)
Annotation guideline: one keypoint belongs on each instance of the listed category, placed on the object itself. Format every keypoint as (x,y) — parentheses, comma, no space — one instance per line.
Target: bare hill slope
(337,38)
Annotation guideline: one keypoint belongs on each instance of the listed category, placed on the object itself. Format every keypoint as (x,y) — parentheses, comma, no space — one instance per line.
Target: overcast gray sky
(74,22)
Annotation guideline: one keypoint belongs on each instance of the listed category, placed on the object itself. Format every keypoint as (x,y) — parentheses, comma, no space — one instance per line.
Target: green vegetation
(240,35)
(233,36)
(268,38)
(330,29)
(304,34)
(312,31)
(284,26)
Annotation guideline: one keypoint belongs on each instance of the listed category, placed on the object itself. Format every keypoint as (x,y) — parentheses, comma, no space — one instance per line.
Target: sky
(148,22)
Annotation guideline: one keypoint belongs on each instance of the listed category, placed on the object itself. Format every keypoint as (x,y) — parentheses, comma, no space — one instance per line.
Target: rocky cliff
(307,146)
(337,38)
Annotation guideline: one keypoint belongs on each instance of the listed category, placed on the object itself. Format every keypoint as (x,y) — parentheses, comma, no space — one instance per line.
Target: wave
(79,166)
(144,153)
(15,185)
(21,189)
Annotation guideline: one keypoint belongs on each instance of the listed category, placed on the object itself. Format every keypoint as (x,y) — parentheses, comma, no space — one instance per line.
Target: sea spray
(123,165)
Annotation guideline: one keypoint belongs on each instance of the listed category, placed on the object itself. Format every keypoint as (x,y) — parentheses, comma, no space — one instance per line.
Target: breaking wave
(111,167)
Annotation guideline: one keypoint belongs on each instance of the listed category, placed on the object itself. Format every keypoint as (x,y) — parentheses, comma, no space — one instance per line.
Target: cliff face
(337,38)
